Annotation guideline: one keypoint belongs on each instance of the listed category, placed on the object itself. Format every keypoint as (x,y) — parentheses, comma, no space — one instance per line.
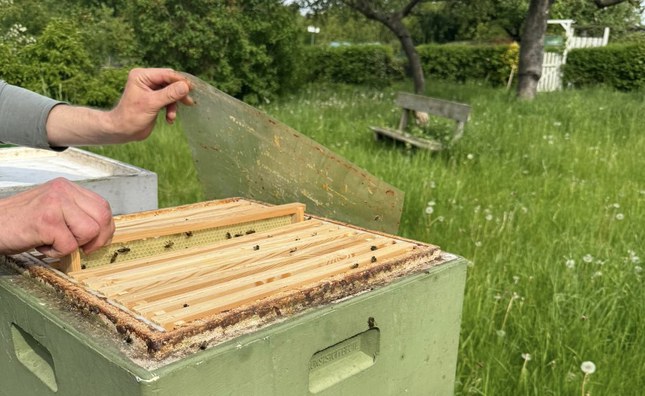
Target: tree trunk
(394,22)
(532,48)
(398,28)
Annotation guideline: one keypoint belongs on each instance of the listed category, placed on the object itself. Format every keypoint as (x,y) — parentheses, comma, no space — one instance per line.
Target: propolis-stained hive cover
(257,264)
(240,151)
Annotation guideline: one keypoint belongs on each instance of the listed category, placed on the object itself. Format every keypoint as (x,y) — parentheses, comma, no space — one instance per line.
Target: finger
(175,92)
(157,78)
(171,113)
(63,243)
(98,210)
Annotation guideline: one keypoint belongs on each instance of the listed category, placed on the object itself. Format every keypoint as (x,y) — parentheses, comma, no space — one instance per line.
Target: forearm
(74,126)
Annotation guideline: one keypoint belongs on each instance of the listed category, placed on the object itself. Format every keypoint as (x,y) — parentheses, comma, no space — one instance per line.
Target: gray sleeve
(23,116)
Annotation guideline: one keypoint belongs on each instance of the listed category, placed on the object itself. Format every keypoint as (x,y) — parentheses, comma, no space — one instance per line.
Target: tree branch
(607,3)
(409,7)
(363,6)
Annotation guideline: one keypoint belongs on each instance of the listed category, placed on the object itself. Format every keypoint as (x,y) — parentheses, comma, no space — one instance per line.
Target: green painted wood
(410,328)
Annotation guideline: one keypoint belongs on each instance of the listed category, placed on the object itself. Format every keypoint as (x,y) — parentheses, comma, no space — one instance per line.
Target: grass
(546,199)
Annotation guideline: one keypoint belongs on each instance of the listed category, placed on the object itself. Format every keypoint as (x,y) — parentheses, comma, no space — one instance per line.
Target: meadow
(545,198)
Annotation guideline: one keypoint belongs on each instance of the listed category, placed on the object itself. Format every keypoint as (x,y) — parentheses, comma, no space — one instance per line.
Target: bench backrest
(439,107)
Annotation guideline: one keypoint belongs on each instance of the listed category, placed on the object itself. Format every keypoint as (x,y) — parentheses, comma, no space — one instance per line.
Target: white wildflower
(588,367)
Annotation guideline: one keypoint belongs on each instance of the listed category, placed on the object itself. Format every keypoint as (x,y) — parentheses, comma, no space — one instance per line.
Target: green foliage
(58,65)
(491,63)
(373,65)
(620,66)
(249,49)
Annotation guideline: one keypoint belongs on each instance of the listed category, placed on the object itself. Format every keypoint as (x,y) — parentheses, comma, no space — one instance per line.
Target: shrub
(372,65)
(620,66)
(249,49)
(491,63)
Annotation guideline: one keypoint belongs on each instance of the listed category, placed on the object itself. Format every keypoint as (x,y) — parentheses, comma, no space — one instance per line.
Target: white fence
(551,79)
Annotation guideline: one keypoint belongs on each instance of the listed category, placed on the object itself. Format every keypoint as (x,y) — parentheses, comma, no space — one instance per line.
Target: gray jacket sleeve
(23,116)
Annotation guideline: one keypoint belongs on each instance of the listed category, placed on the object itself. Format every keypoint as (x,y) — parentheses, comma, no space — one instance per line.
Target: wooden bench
(417,103)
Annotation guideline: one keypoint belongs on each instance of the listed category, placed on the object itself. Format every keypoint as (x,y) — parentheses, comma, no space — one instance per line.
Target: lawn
(546,199)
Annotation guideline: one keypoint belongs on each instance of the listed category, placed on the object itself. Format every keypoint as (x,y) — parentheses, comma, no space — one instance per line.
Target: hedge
(620,66)
(491,63)
(373,65)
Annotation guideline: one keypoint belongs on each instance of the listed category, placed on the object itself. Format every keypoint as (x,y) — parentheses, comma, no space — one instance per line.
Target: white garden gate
(551,79)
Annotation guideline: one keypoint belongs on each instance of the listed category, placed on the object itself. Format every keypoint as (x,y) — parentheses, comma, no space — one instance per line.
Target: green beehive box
(391,339)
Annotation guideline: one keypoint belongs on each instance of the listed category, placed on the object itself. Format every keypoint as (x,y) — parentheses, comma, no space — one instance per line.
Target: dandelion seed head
(588,367)
(526,356)
(478,243)
(501,333)
(620,216)
(429,210)
(597,274)
(638,269)
(516,279)
(570,263)
(587,258)
(470,156)
(431,203)
(489,217)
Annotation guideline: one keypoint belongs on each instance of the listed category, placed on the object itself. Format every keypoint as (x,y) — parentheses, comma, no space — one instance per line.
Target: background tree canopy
(80,50)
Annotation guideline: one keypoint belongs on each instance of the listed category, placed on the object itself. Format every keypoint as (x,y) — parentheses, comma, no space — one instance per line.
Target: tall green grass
(546,199)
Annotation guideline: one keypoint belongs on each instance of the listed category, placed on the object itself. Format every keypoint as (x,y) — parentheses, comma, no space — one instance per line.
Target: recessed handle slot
(34,356)
(332,365)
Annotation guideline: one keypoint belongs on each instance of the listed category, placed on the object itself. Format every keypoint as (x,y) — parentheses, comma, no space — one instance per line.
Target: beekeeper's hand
(55,218)
(146,93)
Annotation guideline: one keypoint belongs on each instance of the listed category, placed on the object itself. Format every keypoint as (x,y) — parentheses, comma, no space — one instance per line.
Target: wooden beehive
(193,276)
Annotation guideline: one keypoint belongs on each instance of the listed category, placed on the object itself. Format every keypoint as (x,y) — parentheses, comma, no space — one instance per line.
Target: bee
(293,250)
(168,244)
(186,305)
(83,266)
(256,247)
(114,256)
(373,248)
(228,235)
(371,323)
(123,249)
(250,232)
(188,234)
(354,266)
(373,260)
(238,235)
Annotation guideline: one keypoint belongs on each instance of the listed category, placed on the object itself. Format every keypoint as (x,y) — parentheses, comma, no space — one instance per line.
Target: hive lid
(240,151)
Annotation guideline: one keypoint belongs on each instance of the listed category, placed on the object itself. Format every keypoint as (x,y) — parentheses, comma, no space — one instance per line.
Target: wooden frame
(202,295)
(417,103)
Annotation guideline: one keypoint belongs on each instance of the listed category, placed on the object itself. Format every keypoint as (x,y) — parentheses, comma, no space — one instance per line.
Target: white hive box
(127,188)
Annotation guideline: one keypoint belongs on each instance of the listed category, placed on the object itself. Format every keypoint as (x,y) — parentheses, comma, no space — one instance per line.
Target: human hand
(147,91)
(55,218)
